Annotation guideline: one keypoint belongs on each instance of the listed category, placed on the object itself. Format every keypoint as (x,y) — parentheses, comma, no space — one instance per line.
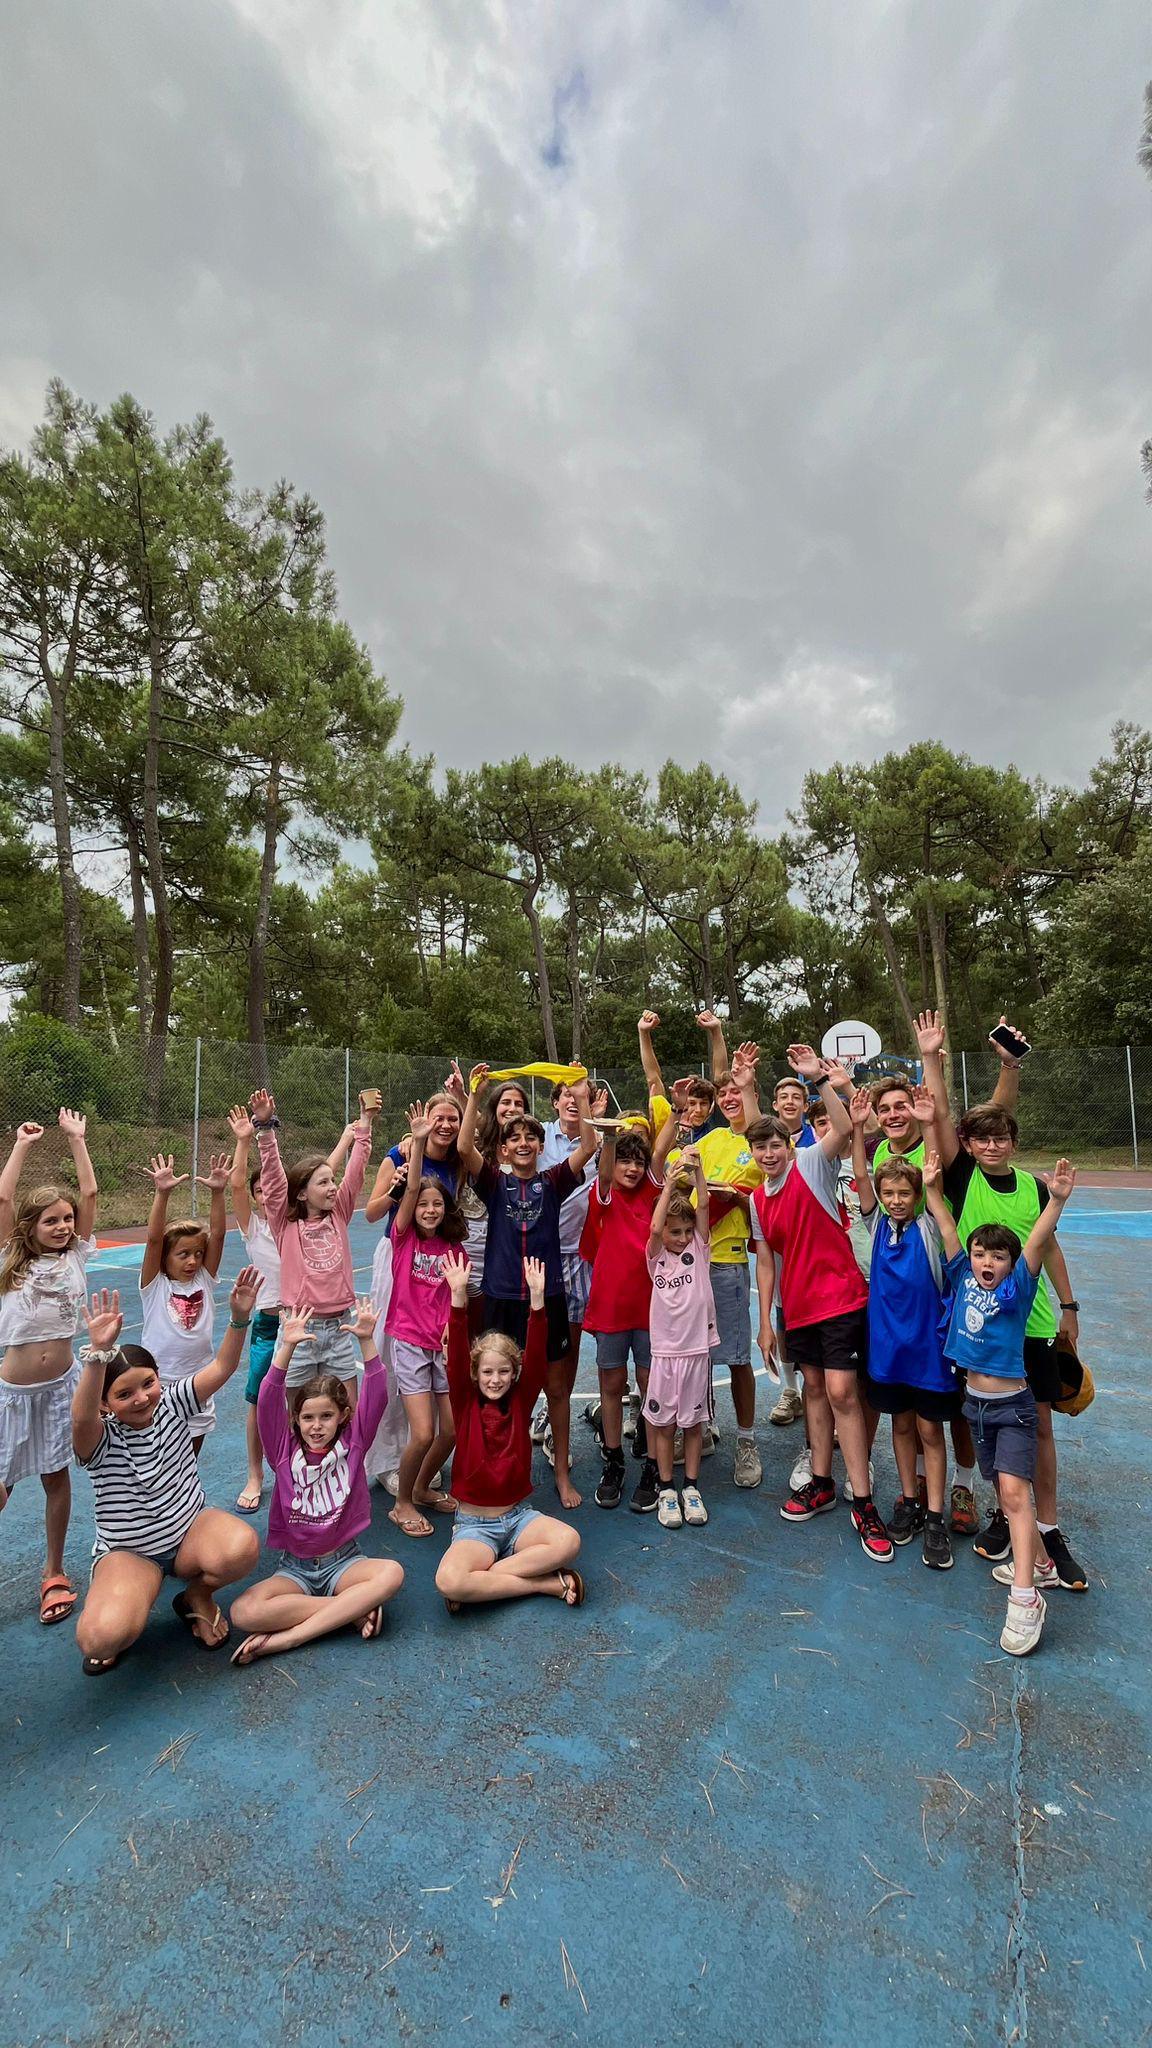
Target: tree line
(191,738)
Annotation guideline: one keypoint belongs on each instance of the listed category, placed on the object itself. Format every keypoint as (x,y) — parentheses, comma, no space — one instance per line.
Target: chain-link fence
(1095,1105)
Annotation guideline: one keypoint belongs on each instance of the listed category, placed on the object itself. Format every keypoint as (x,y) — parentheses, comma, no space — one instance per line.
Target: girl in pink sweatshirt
(308,1213)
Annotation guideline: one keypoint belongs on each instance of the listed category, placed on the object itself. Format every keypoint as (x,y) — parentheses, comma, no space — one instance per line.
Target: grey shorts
(577,1282)
(326,1349)
(614,1346)
(500,1531)
(732,1294)
(1004,1432)
(319,1576)
(418,1371)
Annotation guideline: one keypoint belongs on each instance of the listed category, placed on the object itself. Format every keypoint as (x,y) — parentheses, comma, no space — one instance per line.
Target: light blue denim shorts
(500,1531)
(319,1576)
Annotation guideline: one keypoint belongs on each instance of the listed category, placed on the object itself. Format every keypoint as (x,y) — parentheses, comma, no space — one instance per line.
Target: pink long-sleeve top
(316,1256)
(318,1503)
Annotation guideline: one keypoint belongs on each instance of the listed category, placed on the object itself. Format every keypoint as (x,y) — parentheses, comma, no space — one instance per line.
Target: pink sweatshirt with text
(315,1257)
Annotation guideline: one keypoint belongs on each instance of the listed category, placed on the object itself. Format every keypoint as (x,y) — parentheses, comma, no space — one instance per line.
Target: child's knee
(100,1632)
(450,1576)
(240,1549)
(1015,1493)
(904,1425)
(389,1579)
(569,1544)
(613,1378)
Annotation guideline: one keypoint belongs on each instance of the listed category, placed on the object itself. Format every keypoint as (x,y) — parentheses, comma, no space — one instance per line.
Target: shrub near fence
(1076,1101)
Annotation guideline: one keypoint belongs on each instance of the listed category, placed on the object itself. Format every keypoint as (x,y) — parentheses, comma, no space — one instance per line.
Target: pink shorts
(679,1391)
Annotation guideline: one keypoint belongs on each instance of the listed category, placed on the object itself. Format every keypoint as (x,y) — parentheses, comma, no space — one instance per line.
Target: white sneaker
(678,1448)
(1043,1575)
(539,1423)
(709,1438)
(801,1471)
(1023,1626)
(547,1445)
(668,1509)
(747,1470)
(695,1512)
(789,1408)
(846,1492)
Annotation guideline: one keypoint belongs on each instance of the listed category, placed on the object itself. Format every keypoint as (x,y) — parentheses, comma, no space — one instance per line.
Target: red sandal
(57,1598)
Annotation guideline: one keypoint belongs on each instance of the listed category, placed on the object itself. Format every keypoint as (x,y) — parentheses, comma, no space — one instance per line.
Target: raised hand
(923,1107)
(240,1123)
(455,1085)
(104,1320)
(29,1134)
(161,1172)
(419,1124)
(744,1063)
(933,1172)
(707,1020)
(807,1063)
(262,1105)
(245,1288)
(860,1106)
(600,1102)
(929,1033)
(1061,1180)
(534,1281)
(649,1021)
(688,1161)
(371,1102)
(295,1325)
(1010,1059)
(477,1075)
(678,1092)
(457,1271)
(364,1321)
(219,1168)
(837,1076)
(73,1125)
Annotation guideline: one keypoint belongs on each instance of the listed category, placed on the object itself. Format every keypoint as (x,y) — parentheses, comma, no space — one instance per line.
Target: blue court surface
(757,1790)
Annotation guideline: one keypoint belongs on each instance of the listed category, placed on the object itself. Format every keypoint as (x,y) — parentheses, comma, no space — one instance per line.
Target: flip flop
(409,1527)
(249,1650)
(97,1667)
(58,1608)
(194,1621)
(246,1504)
(376,1617)
(572,1580)
(441,1503)
(453,1606)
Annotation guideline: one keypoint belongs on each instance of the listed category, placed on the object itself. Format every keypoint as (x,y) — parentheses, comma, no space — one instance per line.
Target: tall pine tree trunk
(141,957)
(543,982)
(57,687)
(258,944)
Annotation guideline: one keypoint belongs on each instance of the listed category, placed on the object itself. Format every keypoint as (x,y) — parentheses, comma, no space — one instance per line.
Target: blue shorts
(1004,1432)
(261,1349)
(613,1347)
(319,1576)
(732,1294)
(500,1531)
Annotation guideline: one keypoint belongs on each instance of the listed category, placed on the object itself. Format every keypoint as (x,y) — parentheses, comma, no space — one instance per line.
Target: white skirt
(36,1427)
(382,1458)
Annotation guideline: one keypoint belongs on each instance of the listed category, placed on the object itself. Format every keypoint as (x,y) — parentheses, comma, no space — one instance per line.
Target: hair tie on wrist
(91,1355)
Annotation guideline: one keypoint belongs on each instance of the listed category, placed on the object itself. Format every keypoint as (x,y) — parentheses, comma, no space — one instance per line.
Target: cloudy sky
(760,380)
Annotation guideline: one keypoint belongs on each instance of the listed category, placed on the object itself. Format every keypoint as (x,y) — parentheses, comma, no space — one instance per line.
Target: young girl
(260,1245)
(308,1214)
(909,1377)
(627,1189)
(428,1225)
(178,1278)
(46,1243)
(133,1431)
(315,1444)
(501,1548)
(683,1331)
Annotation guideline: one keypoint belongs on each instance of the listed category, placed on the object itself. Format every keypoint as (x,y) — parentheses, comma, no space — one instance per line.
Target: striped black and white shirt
(148,1490)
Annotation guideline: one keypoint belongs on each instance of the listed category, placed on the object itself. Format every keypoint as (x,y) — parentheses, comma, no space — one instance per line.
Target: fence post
(347,1085)
(964,1076)
(1132,1107)
(196,1128)
(532,1079)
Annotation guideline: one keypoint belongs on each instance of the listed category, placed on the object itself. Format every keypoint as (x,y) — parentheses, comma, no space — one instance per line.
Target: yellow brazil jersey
(726,1156)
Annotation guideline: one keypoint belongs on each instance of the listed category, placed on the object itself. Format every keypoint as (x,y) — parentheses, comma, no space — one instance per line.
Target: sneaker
(995,1541)
(538,1428)
(906,1519)
(611,1487)
(816,1497)
(594,1417)
(963,1518)
(631,1414)
(747,1470)
(875,1541)
(647,1491)
(846,1492)
(789,1408)
(1043,1575)
(547,1446)
(668,1508)
(1023,1626)
(922,1492)
(678,1447)
(801,1472)
(1069,1574)
(695,1512)
(639,1438)
(709,1438)
(937,1551)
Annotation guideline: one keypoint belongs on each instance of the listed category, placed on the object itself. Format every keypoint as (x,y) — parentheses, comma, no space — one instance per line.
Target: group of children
(898,1261)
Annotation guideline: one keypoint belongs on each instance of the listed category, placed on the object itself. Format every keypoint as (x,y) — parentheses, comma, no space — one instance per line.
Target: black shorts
(1042,1368)
(511,1317)
(894,1397)
(838,1345)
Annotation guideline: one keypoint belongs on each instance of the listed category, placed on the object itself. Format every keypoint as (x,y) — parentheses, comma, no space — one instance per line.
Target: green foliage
(44,1064)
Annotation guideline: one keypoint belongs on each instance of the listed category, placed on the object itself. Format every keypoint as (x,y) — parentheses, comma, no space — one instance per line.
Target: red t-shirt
(616,1238)
(803,1223)
(492,1461)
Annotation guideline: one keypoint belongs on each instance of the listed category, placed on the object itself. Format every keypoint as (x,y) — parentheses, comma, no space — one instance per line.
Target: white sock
(787,1377)
(965,1475)
(1046,1528)
(1022,1598)
(745,1436)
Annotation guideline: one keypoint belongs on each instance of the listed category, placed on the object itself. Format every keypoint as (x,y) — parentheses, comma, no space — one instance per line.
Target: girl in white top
(178,1279)
(45,1243)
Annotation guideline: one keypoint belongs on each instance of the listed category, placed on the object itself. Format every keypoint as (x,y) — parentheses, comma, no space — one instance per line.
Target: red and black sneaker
(875,1541)
(818,1497)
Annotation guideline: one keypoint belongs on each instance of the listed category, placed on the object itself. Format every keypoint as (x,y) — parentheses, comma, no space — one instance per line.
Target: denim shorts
(326,1348)
(613,1347)
(1004,1432)
(261,1349)
(500,1531)
(319,1576)
(732,1292)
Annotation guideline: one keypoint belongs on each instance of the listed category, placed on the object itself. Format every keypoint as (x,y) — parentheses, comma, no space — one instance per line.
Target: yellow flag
(540,1070)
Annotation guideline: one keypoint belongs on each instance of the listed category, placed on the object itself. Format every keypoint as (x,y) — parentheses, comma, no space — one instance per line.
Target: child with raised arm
(732,1174)
(45,1244)
(308,1214)
(501,1548)
(995,1282)
(315,1443)
(628,1187)
(909,1377)
(133,1431)
(682,1324)
(178,1278)
(428,1226)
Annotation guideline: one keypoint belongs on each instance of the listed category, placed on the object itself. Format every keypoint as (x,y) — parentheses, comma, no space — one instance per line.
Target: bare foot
(569,1498)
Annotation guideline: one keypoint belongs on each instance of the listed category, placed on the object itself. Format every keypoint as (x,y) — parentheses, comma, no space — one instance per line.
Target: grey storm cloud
(756,382)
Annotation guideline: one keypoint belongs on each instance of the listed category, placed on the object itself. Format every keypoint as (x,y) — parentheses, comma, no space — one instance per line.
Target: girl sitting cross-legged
(502,1548)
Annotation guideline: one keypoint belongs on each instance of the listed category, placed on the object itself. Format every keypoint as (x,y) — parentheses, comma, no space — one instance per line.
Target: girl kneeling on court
(133,1432)
(502,1548)
(315,1443)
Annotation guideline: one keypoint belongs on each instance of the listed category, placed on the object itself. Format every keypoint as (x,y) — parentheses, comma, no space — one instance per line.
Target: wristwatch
(1073,1305)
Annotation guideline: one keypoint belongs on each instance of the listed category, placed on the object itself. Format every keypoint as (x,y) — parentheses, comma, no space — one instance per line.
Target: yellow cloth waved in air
(540,1070)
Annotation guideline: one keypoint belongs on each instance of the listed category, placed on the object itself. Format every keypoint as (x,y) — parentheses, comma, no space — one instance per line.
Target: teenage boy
(995,1282)
(562,1138)
(796,1218)
(692,1099)
(628,1187)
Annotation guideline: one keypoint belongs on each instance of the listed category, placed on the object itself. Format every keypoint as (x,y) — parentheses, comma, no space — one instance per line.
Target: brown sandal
(570,1580)
(195,1622)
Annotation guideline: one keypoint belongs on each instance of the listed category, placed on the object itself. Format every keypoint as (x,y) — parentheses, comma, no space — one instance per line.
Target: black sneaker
(1072,1576)
(906,1518)
(611,1487)
(640,1441)
(594,1417)
(995,1541)
(647,1494)
(937,1551)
